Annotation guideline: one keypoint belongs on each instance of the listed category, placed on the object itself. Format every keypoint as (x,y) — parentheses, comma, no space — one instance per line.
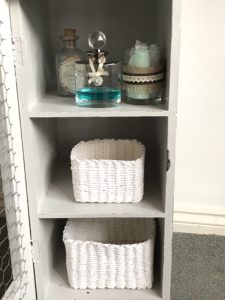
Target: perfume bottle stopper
(97,58)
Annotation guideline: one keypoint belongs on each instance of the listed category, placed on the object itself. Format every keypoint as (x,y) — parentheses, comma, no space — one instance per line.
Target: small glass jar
(97,81)
(143,74)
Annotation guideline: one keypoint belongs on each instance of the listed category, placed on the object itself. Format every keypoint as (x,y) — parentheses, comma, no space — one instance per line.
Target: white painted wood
(27,278)
(29,23)
(52,106)
(161,255)
(194,228)
(199,220)
(174,54)
(173,64)
(59,202)
(59,290)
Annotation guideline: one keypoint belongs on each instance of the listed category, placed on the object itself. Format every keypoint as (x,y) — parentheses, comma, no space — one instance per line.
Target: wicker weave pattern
(94,262)
(108,171)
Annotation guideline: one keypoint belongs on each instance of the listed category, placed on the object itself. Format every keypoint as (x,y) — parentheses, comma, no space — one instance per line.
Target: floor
(198,271)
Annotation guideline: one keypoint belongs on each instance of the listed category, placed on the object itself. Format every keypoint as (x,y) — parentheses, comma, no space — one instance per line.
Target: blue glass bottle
(97,81)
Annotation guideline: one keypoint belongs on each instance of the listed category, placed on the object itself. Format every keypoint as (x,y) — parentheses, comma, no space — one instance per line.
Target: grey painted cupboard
(50,126)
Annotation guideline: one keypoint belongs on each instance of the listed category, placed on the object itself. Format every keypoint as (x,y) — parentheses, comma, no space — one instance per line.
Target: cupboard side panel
(16,268)
(172,94)
(29,25)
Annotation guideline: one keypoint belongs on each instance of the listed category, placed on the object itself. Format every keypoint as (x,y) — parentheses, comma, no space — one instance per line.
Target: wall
(200,161)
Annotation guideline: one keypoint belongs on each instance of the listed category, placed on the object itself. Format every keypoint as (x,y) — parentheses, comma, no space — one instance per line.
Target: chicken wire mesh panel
(5,260)
(13,273)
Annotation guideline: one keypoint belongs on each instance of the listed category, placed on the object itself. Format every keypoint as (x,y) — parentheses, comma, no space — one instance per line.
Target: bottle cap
(96,41)
(69,34)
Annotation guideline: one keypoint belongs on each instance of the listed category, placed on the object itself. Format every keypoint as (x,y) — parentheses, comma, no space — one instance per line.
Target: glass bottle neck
(69,44)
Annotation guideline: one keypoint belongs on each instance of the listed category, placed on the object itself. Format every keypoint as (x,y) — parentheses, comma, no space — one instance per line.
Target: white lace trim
(143,78)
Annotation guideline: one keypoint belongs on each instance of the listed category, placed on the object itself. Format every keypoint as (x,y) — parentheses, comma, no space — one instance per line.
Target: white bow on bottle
(96,75)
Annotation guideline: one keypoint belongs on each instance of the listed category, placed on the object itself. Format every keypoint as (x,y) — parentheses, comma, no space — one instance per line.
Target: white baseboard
(199,220)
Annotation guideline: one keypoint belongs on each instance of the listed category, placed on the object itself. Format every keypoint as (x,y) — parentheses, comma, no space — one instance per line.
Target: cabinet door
(16,265)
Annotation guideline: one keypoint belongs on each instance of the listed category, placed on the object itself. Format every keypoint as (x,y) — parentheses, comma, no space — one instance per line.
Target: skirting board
(199,220)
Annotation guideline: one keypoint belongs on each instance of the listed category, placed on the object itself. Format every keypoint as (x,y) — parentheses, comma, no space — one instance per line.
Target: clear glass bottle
(97,81)
(65,64)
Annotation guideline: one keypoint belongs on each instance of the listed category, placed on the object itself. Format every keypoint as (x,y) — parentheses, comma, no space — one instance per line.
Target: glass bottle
(143,74)
(65,64)
(97,81)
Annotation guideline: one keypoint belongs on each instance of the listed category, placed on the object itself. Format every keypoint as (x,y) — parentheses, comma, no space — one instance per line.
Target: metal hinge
(17,52)
(35,251)
(168,162)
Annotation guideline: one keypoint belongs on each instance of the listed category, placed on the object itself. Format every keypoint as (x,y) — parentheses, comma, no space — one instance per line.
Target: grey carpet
(198,270)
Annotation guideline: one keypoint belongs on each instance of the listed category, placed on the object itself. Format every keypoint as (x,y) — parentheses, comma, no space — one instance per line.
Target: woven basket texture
(108,171)
(110,253)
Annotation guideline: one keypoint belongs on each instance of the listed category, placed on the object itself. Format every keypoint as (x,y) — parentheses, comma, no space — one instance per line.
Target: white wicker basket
(108,171)
(110,253)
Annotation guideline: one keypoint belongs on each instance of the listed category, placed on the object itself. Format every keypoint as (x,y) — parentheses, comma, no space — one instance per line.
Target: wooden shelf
(52,106)
(58,288)
(59,202)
